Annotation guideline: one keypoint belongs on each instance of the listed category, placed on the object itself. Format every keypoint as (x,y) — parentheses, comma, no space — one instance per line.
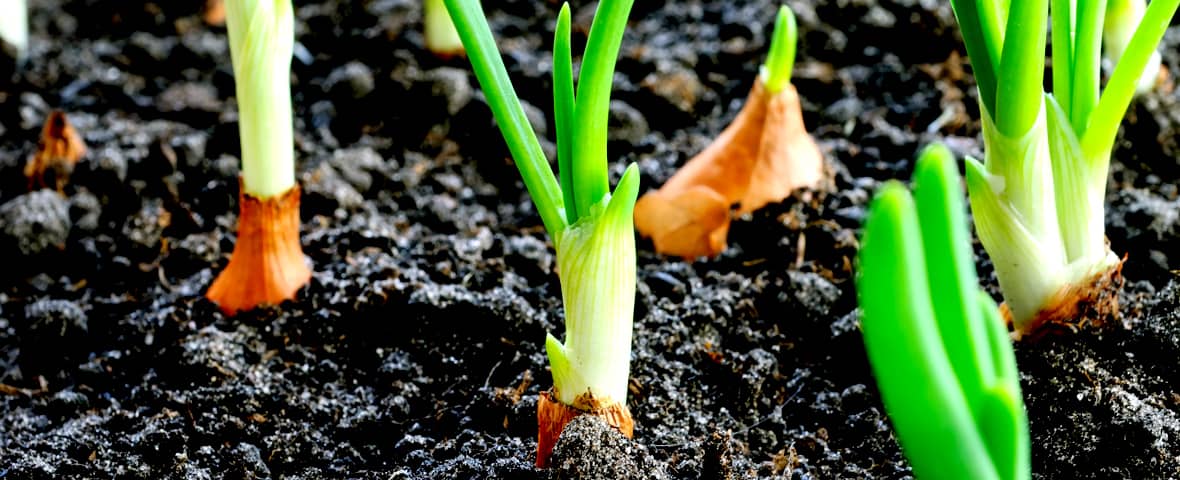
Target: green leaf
(781,60)
(918,385)
(1099,138)
(514,125)
(563,107)
(1087,62)
(1062,14)
(951,271)
(1022,68)
(593,102)
(984,40)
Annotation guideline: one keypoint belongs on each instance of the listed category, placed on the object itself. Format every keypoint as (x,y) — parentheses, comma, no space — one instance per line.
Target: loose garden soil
(417,349)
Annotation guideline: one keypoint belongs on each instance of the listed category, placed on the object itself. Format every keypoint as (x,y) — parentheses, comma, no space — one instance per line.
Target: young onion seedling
(14,27)
(441,37)
(1122,17)
(940,353)
(267,265)
(592,228)
(1038,195)
(760,158)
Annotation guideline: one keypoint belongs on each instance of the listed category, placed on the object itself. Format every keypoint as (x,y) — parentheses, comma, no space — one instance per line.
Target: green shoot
(776,74)
(1038,196)
(261,42)
(938,348)
(591,228)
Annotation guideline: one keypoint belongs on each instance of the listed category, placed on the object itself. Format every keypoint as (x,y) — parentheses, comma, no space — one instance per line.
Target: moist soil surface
(416,351)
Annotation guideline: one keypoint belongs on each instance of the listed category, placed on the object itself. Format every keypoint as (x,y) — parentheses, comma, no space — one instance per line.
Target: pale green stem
(441,36)
(596,264)
(261,40)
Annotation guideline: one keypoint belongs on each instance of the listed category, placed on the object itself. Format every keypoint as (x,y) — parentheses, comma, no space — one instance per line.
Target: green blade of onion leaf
(984,41)
(563,108)
(1001,415)
(905,349)
(1062,17)
(951,271)
(1099,138)
(593,102)
(1087,62)
(518,133)
(1122,18)
(776,73)
(1022,67)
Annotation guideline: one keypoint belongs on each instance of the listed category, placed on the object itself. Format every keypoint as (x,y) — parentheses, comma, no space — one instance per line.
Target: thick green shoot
(261,42)
(941,356)
(776,73)
(592,229)
(1038,196)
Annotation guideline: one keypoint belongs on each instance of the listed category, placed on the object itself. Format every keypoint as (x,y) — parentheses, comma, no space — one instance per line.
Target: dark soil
(417,349)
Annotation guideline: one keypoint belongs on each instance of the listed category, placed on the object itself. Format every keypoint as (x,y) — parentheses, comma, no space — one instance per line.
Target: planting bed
(417,350)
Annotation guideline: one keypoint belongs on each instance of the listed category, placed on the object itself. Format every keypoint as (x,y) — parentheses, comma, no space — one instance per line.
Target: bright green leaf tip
(941,355)
(776,72)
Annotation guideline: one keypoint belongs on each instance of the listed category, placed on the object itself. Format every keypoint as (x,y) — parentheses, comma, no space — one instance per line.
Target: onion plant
(591,227)
(267,265)
(1038,195)
(1122,17)
(940,353)
(14,26)
(763,156)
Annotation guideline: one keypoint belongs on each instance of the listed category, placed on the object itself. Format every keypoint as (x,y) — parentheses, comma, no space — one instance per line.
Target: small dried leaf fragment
(57,153)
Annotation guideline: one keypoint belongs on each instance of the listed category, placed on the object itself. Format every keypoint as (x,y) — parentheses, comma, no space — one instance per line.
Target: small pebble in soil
(360,167)
(34,222)
(325,191)
(85,211)
(451,84)
(627,124)
(353,81)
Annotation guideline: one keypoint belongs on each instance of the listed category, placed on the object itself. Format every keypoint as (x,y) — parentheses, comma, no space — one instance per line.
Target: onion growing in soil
(1038,196)
(591,227)
(760,158)
(267,265)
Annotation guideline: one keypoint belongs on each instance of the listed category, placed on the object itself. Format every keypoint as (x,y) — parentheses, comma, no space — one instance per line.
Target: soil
(417,349)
